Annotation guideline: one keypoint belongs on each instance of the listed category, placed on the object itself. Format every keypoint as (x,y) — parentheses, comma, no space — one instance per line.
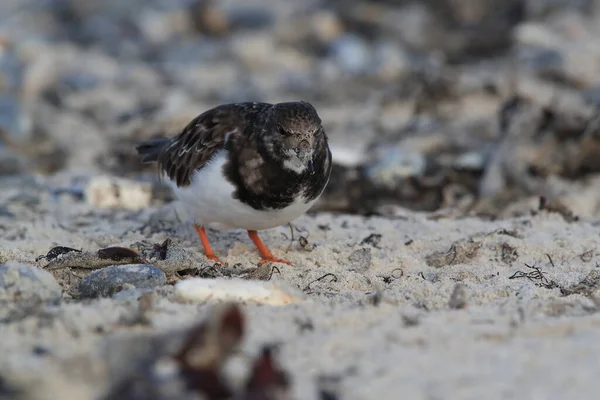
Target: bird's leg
(265,254)
(208,251)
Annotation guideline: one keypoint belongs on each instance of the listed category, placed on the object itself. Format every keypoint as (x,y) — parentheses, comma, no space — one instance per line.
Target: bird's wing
(203,137)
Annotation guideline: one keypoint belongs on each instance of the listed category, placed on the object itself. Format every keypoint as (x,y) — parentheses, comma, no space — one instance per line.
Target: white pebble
(200,290)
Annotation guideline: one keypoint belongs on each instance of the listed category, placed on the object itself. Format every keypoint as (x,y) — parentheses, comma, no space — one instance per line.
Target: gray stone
(458,298)
(107,281)
(19,282)
(360,260)
(130,294)
(352,53)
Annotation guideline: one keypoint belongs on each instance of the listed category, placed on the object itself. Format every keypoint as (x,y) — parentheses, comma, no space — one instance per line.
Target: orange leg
(265,254)
(208,251)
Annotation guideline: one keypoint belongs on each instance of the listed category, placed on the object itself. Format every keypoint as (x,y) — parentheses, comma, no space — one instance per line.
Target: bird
(246,165)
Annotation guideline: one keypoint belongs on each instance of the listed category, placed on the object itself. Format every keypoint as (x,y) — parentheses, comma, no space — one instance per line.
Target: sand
(379,318)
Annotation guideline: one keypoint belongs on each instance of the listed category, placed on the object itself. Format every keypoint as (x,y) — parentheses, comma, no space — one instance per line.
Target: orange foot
(265,254)
(208,252)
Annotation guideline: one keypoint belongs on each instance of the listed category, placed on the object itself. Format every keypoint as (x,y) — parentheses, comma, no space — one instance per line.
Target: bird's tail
(150,150)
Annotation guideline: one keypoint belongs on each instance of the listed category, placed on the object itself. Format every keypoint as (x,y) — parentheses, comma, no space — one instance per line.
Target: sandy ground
(380,322)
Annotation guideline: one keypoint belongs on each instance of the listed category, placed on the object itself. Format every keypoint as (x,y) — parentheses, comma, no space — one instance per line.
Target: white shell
(199,290)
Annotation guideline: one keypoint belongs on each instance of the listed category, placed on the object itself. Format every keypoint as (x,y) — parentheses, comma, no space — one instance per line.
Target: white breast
(208,200)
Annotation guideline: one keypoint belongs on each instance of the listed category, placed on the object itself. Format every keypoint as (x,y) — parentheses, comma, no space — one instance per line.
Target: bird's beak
(304,153)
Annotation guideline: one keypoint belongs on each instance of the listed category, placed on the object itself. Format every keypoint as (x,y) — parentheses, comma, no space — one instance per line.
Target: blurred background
(485,107)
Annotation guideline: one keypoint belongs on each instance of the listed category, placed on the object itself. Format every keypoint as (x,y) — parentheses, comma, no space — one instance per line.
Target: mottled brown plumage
(248,165)
(256,135)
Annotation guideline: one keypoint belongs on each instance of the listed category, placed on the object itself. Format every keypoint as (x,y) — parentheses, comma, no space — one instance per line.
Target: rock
(110,280)
(105,192)
(130,294)
(472,161)
(10,163)
(351,53)
(19,282)
(361,259)
(391,165)
(458,298)
(200,290)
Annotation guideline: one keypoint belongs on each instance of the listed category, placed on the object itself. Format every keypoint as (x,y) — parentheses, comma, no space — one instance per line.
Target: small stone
(351,53)
(19,282)
(110,280)
(391,165)
(105,192)
(200,290)
(130,294)
(471,161)
(458,298)
(360,260)
(458,253)
(588,285)
(11,163)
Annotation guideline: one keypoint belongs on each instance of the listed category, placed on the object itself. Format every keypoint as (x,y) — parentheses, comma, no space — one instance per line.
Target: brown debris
(557,207)
(267,381)
(456,254)
(207,347)
(509,254)
(120,254)
(162,249)
(64,258)
(586,287)
(373,239)
(199,355)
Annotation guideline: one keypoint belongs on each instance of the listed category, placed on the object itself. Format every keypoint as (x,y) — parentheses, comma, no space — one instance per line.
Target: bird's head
(296,131)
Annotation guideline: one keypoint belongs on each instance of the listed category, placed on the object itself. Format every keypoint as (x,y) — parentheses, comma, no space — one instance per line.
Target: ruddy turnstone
(246,165)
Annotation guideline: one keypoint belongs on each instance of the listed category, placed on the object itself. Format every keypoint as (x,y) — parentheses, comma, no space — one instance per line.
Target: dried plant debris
(536,275)
(458,253)
(64,257)
(120,254)
(55,252)
(508,253)
(587,256)
(329,277)
(305,244)
(586,287)
(373,239)
(198,362)
(262,272)
(557,207)
(161,249)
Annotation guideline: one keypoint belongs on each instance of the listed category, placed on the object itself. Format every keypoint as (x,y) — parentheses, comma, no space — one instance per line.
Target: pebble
(352,53)
(19,282)
(11,163)
(458,298)
(107,281)
(200,290)
(361,259)
(130,294)
(392,164)
(106,192)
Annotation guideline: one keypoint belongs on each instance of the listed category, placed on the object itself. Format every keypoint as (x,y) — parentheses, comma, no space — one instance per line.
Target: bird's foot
(265,254)
(272,259)
(214,258)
